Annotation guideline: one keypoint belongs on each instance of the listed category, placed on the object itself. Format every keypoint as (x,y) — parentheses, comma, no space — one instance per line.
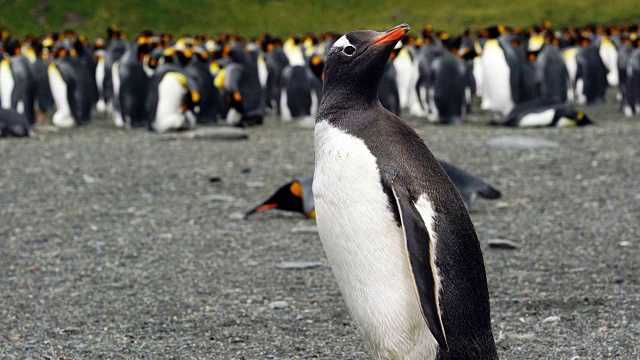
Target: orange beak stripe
(394,34)
(266,207)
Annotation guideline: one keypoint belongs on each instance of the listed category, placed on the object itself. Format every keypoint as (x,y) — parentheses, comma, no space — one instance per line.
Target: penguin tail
(489,192)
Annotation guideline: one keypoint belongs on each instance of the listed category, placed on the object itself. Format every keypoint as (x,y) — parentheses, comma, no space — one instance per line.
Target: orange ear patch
(296,189)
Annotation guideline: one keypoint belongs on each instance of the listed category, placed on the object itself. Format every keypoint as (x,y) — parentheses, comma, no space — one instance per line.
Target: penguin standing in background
(116,47)
(632,104)
(299,95)
(545,113)
(198,69)
(171,97)
(395,230)
(18,86)
(447,86)
(591,75)
(609,55)
(552,77)
(130,86)
(623,58)
(43,97)
(70,87)
(501,74)
(388,90)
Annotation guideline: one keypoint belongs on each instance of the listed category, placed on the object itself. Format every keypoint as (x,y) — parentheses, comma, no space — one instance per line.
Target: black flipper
(419,255)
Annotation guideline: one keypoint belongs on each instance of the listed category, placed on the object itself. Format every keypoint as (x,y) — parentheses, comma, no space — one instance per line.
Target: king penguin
(396,232)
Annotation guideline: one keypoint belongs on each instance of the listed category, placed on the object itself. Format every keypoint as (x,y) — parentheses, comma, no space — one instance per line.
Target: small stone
(246,170)
(218,197)
(70,331)
(88,179)
(305,230)
(278,304)
(502,244)
(299,264)
(236,216)
(625,243)
(255,184)
(167,236)
(551,319)
(578,269)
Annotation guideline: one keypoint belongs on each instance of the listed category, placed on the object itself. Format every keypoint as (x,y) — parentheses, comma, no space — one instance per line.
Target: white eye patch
(341,43)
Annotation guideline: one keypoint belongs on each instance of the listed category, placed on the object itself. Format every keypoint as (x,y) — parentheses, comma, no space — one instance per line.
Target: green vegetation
(284,17)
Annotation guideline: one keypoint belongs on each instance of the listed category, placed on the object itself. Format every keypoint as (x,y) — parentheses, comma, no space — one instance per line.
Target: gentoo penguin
(13,124)
(297,195)
(130,87)
(545,113)
(399,239)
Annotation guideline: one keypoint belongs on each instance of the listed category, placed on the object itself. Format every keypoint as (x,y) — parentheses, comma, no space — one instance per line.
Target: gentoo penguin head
(358,60)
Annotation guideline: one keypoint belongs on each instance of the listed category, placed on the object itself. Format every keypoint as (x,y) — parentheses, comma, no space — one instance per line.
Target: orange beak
(394,34)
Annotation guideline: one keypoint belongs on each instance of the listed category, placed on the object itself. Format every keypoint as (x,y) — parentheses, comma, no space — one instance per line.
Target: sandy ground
(115,244)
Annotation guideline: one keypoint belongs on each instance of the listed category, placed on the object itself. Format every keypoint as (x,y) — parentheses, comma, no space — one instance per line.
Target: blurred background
(282,18)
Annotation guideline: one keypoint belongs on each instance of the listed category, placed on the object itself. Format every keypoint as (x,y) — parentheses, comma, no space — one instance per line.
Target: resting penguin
(545,113)
(130,86)
(297,196)
(13,124)
(18,86)
(399,239)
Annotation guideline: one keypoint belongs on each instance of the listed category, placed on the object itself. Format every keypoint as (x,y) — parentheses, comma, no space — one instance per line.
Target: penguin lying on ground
(397,234)
(297,196)
(13,124)
(545,113)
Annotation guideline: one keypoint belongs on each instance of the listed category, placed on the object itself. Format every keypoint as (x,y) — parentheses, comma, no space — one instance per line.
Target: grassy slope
(299,16)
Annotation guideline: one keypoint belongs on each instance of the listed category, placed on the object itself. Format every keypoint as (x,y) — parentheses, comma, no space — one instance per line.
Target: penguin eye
(349,50)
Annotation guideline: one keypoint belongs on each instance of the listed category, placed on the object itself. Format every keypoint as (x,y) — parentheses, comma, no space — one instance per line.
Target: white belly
(496,78)
(62,117)
(543,118)
(366,249)
(6,79)
(169,114)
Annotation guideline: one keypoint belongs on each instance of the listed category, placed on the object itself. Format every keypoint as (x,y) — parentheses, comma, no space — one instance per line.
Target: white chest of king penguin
(399,239)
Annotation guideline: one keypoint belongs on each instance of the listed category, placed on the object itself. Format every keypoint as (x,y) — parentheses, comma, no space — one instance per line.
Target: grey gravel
(278,304)
(203,293)
(304,229)
(520,142)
